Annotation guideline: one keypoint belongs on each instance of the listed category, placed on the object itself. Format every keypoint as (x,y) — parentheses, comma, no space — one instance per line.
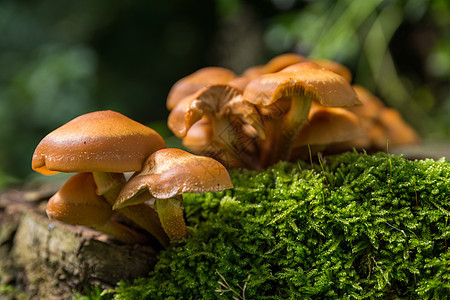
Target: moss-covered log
(354,226)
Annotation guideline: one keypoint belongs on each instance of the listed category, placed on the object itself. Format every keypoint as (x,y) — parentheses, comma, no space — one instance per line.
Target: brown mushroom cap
(77,203)
(197,80)
(372,106)
(101,141)
(382,123)
(328,125)
(334,67)
(309,79)
(170,172)
(275,64)
(397,131)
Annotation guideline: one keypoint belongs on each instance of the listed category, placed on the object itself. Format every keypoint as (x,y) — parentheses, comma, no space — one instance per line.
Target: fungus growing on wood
(107,144)
(77,203)
(166,175)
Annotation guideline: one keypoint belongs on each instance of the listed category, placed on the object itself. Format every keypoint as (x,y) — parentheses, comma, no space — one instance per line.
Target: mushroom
(284,99)
(381,123)
(326,129)
(282,61)
(231,119)
(166,175)
(275,64)
(397,131)
(333,67)
(77,203)
(107,144)
(197,80)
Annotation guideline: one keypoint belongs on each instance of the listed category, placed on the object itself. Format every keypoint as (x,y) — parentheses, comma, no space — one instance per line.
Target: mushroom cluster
(284,110)
(100,147)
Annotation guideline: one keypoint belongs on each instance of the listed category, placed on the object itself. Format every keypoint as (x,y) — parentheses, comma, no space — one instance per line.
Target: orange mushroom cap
(372,106)
(309,79)
(77,203)
(328,125)
(197,80)
(398,132)
(101,141)
(333,67)
(170,172)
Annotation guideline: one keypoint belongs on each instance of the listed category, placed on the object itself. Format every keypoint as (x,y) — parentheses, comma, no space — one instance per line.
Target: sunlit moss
(363,226)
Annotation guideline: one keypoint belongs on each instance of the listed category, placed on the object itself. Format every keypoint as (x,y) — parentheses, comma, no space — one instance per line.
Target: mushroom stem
(170,213)
(122,233)
(110,184)
(270,144)
(282,135)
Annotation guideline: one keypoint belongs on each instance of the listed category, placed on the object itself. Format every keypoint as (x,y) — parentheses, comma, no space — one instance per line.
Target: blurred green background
(60,59)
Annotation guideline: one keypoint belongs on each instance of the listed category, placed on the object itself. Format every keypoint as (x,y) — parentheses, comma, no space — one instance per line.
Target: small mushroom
(327,128)
(276,64)
(282,61)
(334,67)
(197,80)
(382,124)
(398,132)
(107,144)
(77,203)
(284,99)
(231,119)
(166,175)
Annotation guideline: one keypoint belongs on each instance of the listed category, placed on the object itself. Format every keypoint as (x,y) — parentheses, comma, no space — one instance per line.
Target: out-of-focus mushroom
(398,132)
(107,144)
(333,67)
(372,106)
(195,81)
(382,124)
(282,61)
(275,64)
(229,116)
(326,129)
(284,98)
(77,203)
(169,173)
(199,137)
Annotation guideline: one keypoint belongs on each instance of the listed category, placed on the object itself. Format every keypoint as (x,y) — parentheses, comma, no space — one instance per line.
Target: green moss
(363,226)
